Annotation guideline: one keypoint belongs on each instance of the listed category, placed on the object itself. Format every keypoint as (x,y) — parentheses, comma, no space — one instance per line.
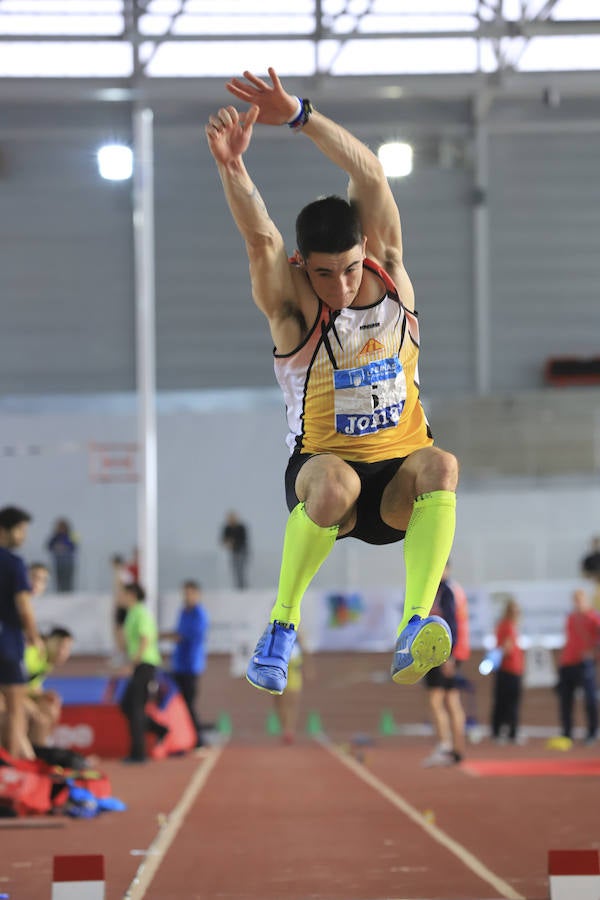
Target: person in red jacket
(577,665)
(509,675)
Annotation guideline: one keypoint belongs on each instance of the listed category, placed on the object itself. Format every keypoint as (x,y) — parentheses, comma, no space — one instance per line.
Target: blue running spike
(421,645)
(267,670)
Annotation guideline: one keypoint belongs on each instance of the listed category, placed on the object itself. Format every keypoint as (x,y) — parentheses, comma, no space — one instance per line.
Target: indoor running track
(309,822)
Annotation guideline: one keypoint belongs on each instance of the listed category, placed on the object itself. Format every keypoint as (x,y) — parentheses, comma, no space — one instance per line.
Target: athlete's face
(336,277)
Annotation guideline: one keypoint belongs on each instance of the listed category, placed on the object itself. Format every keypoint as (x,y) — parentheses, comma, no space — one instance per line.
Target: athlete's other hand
(229,132)
(276,106)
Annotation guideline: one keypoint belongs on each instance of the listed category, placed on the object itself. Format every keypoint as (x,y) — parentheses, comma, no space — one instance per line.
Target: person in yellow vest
(443,683)
(140,632)
(341,312)
(44,706)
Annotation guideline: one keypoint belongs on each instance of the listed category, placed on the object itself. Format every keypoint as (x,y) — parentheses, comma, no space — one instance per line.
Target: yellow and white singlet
(352,387)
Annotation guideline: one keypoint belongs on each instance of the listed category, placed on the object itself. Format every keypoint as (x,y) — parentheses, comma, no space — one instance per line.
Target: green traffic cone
(313,724)
(387,726)
(273,724)
(224,725)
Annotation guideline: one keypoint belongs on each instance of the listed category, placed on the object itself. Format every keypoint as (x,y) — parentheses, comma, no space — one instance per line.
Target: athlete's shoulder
(372,266)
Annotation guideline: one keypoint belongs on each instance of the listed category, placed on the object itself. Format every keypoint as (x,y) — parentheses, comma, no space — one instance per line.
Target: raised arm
(229,134)
(368,185)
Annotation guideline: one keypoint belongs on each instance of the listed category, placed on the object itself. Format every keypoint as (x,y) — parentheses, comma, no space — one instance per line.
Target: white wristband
(298,111)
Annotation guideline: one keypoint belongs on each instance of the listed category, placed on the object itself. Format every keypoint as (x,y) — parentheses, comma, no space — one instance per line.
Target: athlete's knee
(330,497)
(441,470)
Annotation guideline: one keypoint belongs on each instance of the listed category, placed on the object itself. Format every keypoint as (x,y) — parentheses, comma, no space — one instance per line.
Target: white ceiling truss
(199,38)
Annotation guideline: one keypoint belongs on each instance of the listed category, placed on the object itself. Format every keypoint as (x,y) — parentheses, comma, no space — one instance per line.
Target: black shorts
(374,478)
(435,678)
(12,671)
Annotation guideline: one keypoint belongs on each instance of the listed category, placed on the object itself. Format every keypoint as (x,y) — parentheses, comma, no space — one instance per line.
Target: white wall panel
(545,238)
(66,267)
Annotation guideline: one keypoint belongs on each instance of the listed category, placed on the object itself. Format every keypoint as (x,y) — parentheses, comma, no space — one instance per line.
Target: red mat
(517,767)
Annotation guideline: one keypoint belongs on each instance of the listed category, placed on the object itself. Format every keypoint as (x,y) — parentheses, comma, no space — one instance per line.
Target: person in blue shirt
(188,661)
(17,626)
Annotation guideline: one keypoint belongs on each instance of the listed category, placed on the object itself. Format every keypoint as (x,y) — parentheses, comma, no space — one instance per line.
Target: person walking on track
(341,314)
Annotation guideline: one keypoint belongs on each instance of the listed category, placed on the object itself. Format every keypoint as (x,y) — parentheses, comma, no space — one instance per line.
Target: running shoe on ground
(267,670)
(442,756)
(421,645)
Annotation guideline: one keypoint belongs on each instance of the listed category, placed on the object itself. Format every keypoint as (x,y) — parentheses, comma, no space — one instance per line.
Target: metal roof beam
(493,30)
(329,89)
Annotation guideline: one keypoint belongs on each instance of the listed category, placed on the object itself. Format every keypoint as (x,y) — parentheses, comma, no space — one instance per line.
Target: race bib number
(370,397)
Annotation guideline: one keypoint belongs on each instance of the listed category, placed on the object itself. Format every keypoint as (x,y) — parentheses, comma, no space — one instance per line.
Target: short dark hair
(328,225)
(191,583)
(11,516)
(59,632)
(38,565)
(135,588)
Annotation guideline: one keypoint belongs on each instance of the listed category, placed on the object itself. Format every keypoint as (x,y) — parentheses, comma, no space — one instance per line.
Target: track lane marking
(167,834)
(465,856)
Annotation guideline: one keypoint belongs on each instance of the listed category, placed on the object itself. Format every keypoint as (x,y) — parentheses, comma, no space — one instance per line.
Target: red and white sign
(113,462)
(574,874)
(78,878)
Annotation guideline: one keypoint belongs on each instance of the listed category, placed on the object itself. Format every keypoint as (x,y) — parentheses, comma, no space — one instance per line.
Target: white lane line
(464,855)
(165,837)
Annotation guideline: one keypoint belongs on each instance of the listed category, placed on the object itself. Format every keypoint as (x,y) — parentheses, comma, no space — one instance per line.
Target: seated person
(43,707)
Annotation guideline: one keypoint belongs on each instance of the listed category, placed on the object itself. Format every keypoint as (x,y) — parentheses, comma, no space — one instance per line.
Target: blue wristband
(303,116)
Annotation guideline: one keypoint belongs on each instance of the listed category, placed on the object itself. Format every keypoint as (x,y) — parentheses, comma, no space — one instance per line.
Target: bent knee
(330,492)
(449,469)
(441,469)
(330,503)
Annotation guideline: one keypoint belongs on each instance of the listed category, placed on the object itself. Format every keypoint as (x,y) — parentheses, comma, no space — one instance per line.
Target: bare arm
(368,186)
(228,136)
(169,636)
(26,614)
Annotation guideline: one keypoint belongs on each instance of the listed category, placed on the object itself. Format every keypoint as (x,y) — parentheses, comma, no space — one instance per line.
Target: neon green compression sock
(427,546)
(306,546)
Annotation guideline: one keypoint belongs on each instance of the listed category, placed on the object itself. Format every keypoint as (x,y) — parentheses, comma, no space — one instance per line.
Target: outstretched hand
(275,105)
(229,132)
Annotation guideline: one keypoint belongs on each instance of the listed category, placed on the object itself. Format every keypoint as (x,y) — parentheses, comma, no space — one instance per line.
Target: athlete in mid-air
(341,313)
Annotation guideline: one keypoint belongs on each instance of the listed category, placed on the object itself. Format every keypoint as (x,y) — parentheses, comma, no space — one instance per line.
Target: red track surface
(293,823)
(298,823)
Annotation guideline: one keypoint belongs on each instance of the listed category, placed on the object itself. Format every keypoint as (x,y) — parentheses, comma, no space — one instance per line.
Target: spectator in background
(189,656)
(590,564)
(590,568)
(509,674)
(17,626)
(577,665)
(443,682)
(62,546)
(44,706)
(124,572)
(39,576)
(234,537)
(121,577)
(141,642)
